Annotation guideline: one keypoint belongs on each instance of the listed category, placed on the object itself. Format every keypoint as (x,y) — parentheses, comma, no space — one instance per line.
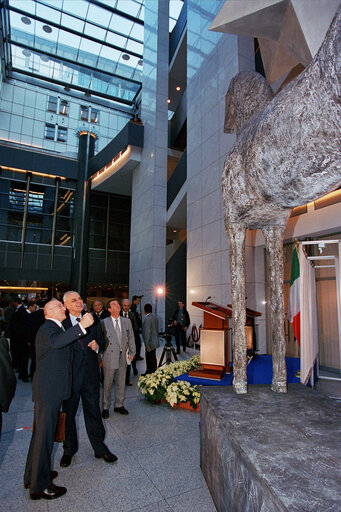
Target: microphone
(209,297)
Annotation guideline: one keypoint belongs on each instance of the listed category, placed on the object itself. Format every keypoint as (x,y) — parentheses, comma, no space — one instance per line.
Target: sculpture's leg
(236,233)
(274,245)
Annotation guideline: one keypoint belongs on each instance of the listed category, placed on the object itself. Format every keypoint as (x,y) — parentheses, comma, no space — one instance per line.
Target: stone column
(149,186)
(79,268)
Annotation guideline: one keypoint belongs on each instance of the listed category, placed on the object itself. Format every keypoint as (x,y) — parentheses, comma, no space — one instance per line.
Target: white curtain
(309,329)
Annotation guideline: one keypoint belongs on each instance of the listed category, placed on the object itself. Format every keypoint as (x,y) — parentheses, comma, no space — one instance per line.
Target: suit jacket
(111,356)
(8,379)
(185,317)
(150,332)
(35,320)
(52,378)
(132,318)
(85,357)
(18,326)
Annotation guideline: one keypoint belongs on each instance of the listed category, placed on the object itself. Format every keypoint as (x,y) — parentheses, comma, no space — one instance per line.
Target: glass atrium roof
(95,46)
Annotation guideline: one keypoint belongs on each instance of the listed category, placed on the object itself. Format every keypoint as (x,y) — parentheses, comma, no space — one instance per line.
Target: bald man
(51,385)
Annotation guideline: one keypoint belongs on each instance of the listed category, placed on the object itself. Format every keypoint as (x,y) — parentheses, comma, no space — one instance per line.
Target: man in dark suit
(19,339)
(35,321)
(99,310)
(51,385)
(85,385)
(8,381)
(135,302)
(181,322)
(126,313)
(150,334)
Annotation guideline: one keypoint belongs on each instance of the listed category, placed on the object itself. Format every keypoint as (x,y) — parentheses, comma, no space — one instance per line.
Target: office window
(17,199)
(64,107)
(52,104)
(94,115)
(49,131)
(84,113)
(61,134)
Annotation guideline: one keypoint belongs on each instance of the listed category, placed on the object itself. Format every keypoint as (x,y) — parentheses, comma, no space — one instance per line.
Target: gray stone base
(268,452)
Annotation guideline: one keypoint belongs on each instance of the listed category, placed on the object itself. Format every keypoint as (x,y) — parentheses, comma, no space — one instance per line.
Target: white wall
(212,60)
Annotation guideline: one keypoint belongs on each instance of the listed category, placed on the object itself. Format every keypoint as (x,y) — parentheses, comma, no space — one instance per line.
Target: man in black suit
(125,312)
(19,339)
(181,322)
(8,381)
(51,385)
(99,311)
(138,318)
(85,384)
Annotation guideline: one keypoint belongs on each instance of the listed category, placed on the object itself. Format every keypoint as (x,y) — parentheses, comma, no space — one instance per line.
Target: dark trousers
(133,365)
(151,362)
(138,345)
(38,464)
(180,337)
(89,392)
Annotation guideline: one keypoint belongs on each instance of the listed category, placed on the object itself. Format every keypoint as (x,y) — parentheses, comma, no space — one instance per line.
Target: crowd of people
(72,352)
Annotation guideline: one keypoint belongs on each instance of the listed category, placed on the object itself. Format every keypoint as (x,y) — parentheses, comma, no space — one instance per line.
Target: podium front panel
(212,347)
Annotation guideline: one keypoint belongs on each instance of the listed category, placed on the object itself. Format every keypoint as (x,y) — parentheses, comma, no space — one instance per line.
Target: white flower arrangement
(181,392)
(154,386)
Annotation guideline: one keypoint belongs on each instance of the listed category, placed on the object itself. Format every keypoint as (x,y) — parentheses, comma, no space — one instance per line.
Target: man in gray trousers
(120,345)
(150,334)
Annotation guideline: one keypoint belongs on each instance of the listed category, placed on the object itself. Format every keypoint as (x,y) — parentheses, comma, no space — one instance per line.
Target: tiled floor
(158,461)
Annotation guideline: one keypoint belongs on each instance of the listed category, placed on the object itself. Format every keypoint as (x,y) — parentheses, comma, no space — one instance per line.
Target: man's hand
(93,344)
(87,320)
(131,358)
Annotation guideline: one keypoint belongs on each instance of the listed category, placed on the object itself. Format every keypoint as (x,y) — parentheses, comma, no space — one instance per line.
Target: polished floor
(158,461)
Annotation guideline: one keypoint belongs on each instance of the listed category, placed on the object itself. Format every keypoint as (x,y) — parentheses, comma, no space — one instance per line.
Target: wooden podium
(214,345)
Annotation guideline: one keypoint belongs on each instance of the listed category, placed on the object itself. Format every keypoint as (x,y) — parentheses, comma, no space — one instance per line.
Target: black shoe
(105,414)
(107,457)
(51,493)
(129,383)
(139,358)
(53,475)
(65,461)
(121,410)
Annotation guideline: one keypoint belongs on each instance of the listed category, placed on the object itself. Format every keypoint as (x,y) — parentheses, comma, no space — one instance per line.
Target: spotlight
(125,56)
(178,88)
(26,20)
(168,101)
(47,29)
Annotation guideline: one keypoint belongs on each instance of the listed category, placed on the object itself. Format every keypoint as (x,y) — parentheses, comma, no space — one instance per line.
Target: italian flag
(294,296)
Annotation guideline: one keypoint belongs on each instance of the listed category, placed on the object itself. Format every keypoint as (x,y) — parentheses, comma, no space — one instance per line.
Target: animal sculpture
(287,153)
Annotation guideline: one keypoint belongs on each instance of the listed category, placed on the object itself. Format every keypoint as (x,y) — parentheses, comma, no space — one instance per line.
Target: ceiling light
(27,53)
(140,62)
(125,56)
(178,88)
(26,20)
(47,29)
(44,58)
(168,101)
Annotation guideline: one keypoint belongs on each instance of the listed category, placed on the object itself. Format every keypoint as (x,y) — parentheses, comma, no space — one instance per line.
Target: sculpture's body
(287,153)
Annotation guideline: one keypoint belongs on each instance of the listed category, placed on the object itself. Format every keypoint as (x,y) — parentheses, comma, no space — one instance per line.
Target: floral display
(182,392)
(155,386)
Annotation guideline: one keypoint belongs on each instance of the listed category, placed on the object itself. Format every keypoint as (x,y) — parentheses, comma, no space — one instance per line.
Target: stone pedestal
(264,452)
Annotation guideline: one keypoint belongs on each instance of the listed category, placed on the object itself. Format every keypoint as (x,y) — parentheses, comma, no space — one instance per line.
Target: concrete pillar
(79,267)
(149,186)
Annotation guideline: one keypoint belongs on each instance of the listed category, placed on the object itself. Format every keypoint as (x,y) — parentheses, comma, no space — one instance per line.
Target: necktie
(126,315)
(117,327)
(80,339)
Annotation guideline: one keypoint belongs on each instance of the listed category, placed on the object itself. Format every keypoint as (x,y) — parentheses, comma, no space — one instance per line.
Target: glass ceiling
(95,46)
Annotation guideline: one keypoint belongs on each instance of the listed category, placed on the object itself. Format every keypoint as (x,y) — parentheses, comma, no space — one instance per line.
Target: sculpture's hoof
(279,387)
(240,387)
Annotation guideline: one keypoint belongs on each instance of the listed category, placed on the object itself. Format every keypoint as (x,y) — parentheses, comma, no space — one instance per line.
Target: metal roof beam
(74,32)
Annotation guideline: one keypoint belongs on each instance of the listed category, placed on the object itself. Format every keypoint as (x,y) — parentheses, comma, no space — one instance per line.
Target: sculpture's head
(247,95)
